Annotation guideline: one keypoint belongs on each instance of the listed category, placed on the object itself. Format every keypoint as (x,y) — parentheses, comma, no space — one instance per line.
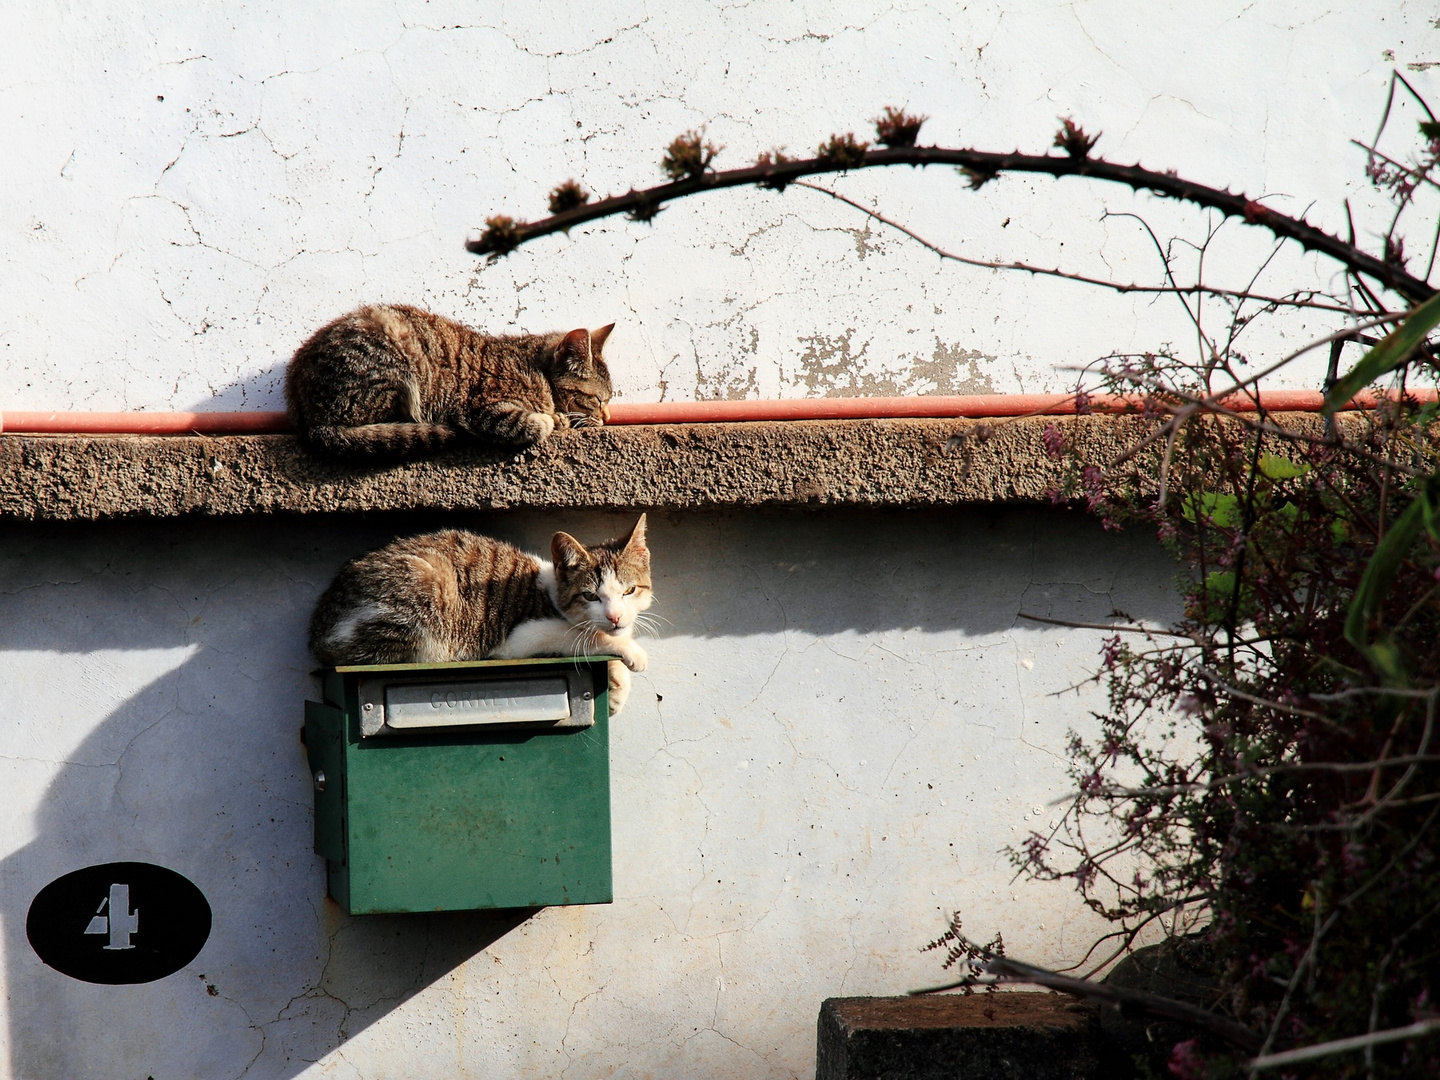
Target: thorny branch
(503,234)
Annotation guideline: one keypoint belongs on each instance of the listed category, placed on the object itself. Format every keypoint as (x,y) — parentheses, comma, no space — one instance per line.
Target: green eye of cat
(590,596)
(630,590)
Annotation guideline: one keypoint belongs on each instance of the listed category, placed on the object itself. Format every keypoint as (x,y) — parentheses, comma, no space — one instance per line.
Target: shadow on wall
(200,770)
(188,638)
(259,390)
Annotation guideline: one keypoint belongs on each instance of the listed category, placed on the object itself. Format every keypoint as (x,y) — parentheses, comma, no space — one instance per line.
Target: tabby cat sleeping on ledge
(455,595)
(390,382)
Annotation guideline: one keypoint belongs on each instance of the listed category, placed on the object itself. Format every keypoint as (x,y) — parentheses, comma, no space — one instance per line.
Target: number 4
(120,923)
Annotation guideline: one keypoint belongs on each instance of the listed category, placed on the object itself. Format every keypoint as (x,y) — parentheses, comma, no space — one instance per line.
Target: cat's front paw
(619,680)
(625,648)
(562,422)
(636,659)
(539,426)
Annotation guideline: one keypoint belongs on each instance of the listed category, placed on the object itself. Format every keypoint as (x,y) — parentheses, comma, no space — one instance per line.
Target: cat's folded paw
(540,426)
(619,680)
(636,659)
(561,421)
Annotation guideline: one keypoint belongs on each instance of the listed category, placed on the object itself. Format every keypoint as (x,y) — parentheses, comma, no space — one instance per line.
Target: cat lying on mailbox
(455,595)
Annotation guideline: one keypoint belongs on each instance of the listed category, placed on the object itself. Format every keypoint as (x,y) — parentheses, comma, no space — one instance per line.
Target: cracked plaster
(198,189)
(195,188)
(790,824)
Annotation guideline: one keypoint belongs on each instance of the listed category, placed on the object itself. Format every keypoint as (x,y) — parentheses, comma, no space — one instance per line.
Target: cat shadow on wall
(259,391)
(187,637)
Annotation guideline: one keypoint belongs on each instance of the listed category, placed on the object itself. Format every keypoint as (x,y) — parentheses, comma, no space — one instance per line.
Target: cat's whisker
(584,641)
(576,643)
(648,624)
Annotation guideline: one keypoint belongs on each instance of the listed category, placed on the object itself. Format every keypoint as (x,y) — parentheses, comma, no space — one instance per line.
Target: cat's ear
(572,355)
(636,544)
(569,554)
(597,338)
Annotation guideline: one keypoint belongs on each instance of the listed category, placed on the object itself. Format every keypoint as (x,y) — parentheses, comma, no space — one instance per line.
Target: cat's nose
(605,414)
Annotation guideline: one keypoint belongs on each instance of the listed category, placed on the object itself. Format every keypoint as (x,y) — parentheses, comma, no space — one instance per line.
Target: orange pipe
(975,406)
(144,423)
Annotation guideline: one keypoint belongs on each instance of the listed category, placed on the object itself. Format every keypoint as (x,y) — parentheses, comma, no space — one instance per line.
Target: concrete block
(1024,1036)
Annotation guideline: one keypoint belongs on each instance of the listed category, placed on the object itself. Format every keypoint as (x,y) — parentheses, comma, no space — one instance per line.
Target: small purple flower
(1054,442)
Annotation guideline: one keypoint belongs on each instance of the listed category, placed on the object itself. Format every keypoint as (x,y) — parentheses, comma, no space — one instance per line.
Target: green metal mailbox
(452,787)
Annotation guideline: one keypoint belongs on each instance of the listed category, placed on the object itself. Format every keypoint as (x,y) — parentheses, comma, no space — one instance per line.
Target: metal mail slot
(560,701)
(499,701)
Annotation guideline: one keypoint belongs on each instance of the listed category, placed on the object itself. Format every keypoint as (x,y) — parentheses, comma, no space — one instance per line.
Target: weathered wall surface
(843,724)
(189,190)
(846,720)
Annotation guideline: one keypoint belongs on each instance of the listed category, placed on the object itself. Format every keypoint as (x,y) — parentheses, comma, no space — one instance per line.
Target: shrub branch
(641,203)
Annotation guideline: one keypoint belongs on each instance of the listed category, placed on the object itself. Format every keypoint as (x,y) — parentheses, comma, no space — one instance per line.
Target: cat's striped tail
(377,444)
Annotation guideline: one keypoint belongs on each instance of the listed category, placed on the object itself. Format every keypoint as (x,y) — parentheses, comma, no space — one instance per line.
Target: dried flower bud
(568,196)
(501,236)
(1054,442)
(645,208)
(1072,139)
(977,178)
(773,157)
(844,151)
(688,156)
(897,128)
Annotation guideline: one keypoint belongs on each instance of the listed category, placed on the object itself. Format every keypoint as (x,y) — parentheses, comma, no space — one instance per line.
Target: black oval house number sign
(126,922)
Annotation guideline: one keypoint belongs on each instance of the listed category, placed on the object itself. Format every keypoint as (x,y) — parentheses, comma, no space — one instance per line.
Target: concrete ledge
(861,463)
(1003,1036)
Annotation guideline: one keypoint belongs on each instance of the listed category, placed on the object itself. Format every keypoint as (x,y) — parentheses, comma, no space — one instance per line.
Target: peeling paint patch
(835,367)
(732,384)
(865,241)
(732,380)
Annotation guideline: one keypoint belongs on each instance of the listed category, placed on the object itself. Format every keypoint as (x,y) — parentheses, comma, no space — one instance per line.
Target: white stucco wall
(842,725)
(188,190)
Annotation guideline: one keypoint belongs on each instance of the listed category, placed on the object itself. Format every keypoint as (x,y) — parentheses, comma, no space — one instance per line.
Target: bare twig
(1101,626)
(1342,1046)
(1130,1000)
(1259,772)
(1234,691)
(1303,298)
